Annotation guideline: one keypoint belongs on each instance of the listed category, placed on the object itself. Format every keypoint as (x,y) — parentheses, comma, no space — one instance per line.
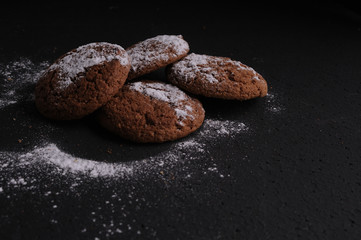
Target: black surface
(294,175)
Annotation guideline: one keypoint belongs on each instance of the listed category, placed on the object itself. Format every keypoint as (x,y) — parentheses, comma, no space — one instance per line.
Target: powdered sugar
(273,105)
(241,66)
(202,66)
(48,154)
(160,91)
(76,62)
(54,176)
(217,128)
(156,49)
(195,64)
(166,93)
(16,76)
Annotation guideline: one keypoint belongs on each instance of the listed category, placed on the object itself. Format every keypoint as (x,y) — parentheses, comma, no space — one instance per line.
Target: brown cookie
(151,111)
(81,81)
(154,53)
(217,77)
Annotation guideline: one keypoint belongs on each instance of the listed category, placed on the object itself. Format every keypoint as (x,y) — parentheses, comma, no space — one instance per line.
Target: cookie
(81,81)
(151,111)
(154,53)
(218,77)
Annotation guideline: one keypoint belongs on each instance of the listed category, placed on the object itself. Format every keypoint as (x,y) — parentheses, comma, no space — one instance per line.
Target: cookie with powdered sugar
(151,111)
(154,53)
(81,81)
(218,77)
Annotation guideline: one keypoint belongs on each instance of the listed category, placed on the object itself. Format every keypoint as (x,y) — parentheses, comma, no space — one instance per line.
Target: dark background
(303,174)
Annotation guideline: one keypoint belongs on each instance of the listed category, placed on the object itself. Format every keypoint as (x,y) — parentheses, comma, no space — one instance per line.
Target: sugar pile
(48,155)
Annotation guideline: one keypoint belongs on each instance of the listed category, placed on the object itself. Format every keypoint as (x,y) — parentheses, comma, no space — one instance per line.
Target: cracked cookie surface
(151,111)
(218,77)
(81,81)
(154,53)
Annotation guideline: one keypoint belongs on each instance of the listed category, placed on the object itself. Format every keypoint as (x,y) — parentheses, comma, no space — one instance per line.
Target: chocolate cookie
(151,111)
(154,53)
(81,81)
(217,77)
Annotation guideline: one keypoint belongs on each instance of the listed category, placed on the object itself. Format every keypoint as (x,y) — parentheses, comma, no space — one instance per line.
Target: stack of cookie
(101,78)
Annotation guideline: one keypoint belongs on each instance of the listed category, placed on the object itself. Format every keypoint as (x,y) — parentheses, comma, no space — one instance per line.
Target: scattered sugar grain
(18,75)
(272,103)
(75,62)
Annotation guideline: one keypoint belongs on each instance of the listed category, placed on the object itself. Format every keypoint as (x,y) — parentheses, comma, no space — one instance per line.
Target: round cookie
(154,53)
(218,77)
(81,81)
(151,111)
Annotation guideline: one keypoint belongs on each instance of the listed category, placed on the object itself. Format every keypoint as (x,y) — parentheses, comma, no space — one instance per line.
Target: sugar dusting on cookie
(200,65)
(77,61)
(156,49)
(166,93)
(193,65)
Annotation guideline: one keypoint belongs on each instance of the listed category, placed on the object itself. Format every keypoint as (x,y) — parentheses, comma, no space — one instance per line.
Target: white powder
(199,65)
(156,49)
(46,167)
(16,76)
(272,103)
(160,91)
(222,128)
(166,93)
(195,64)
(19,181)
(49,154)
(76,62)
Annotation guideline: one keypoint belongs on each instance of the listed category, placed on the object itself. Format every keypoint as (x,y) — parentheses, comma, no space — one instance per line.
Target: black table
(293,172)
